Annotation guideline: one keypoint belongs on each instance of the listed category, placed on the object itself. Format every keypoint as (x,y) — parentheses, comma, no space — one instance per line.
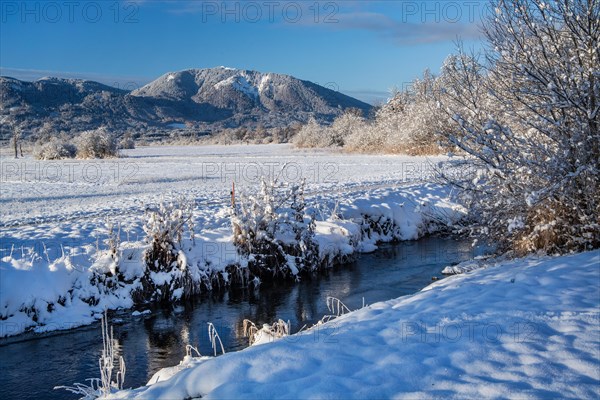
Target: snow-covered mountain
(242,91)
(206,100)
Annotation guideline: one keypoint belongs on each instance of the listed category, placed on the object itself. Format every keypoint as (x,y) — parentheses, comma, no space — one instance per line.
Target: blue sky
(360,48)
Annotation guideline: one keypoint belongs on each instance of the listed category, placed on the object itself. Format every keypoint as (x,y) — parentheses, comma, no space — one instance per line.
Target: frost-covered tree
(410,120)
(367,138)
(97,143)
(343,127)
(531,123)
(407,123)
(421,117)
(310,135)
(464,96)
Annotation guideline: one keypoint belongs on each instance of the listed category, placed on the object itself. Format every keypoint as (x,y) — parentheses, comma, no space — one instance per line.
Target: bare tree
(16,138)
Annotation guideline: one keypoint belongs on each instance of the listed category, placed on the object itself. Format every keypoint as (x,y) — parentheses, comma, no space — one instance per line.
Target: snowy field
(37,193)
(528,328)
(56,216)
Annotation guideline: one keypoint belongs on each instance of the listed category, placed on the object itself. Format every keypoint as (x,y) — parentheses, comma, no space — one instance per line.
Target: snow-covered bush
(409,122)
(314,135)
(127,142)
(54,149)
(529,119)
(311,135)
(343,126)
(106,277)
(273,233)
(368,138)
(97,143)
(167,276)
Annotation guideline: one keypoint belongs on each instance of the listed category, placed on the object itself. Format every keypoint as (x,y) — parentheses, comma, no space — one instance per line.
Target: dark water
(29,369)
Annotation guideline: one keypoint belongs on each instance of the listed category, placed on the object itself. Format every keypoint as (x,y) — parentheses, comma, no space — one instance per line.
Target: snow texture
(528,328)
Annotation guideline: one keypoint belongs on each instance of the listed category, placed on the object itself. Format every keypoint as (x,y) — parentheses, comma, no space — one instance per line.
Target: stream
(32,365)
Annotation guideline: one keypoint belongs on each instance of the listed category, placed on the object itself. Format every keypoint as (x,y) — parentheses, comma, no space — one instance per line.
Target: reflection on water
(30,369)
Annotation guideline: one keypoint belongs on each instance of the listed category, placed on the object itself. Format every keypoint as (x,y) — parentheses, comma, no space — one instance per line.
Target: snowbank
(525,328)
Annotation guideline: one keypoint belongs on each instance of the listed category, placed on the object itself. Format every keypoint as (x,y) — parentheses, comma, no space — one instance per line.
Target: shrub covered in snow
(414,129)
(126,142)
(54,149)
(311,135)
(97,143)
(366,139)
(407,124)
(343,127)
(273,233)
(167,276)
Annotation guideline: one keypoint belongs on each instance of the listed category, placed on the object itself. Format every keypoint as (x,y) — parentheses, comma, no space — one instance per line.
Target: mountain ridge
(204,100)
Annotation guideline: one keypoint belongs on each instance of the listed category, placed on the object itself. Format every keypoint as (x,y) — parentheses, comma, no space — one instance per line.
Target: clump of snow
(239,83)
(264,84)
(166,373)
(266,334)
(139,313)
(467,266)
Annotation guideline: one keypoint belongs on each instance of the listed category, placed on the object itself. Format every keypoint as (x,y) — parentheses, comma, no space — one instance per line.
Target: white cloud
(407,31)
